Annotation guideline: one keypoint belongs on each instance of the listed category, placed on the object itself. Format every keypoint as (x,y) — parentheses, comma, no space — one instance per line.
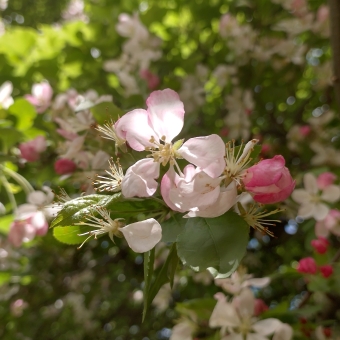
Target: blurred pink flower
(331,223)
(260,307)
(64,166)
(326,270)
(305,130)
(269,181)
(41,96)
(325,179)
(151,78)
(31,150)
(17,307)
(307,265)
(320,245)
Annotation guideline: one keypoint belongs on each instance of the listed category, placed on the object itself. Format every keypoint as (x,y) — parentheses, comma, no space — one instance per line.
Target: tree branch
(334,9)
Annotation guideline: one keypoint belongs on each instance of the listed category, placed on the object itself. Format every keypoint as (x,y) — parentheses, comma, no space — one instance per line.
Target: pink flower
(320,245)
(322,14)
(330,224)
(27,227)
(64,166)
(325,179)
(260,307)
(17,307)
(305,130)
(151,79)
(41,96)
(307,265)
(269,181)
(31,150)
(326,270)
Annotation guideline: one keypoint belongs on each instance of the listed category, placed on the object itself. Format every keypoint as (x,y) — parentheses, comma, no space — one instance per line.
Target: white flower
(238,321)
(5,95)
(312,199)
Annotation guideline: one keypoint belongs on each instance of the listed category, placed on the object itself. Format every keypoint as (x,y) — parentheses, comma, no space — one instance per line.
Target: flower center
(162,152)
(245,327)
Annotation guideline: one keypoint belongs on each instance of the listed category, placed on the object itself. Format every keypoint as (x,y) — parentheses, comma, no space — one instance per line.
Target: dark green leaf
(217,244)
(149,259)
(172,227)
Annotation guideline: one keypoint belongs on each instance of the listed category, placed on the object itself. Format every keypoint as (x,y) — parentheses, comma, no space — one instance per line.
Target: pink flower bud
(64,166)
(325,179)
(269,181)
(320,245)
(30,151)
(152,79)
(305,130)
(260,307)
(307,265)
(41,96)
(326,270)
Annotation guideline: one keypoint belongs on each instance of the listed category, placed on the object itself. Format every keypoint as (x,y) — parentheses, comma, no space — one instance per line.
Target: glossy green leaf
(70,235)
(217,244)
(172,227)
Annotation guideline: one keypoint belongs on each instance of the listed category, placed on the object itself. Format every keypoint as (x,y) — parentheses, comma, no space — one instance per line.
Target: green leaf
(149,259)
(105,111)
(4,278)
(10,137)
(217,244)
(165,275)
(24,112)
(70,235)
(5,223)
(172,227)
(76,210)
(201,307)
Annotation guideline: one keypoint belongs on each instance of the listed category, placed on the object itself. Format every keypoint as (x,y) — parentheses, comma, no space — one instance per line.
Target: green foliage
(217,244)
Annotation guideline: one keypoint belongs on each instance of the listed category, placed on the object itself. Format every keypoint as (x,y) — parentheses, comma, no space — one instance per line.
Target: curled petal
(142,236)
(205,152)
(135,129)
(139,179)
(166,113)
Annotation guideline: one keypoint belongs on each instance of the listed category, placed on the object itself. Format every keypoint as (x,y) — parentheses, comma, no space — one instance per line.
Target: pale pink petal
(5,91)
(321,230)
(331,194)
(224,202)
(142,236)
(320,212)
(33,100)
(245,303)
(267,326)
(36,197)
(139,179)
(39,222)
(310,183)
(205,152)
(255,336)
(224,315)
(300,196)
(258,282)
(25,210)
(40,143)
(134,127)
(284,332)
(166,113)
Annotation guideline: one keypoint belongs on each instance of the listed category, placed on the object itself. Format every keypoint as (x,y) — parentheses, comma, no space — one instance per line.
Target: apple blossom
(326,270)
(31,150)
(269,181)
(141,236)
(320,245)
(183,330)
(331,223)
(41,96)
(325,179)
(64,166)
(17,307)
(307,265)
(312,201)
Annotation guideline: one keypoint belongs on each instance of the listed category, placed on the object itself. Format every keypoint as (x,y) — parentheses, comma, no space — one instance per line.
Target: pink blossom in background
(307,265)
(64,166)
(260,307)
(320,245)
(322,14)
(27,227)
(17,307)
(41,96)
(330,224)
(30,151)
(326,270)
(269,181)
(305,130)
(151,79)
(325,179)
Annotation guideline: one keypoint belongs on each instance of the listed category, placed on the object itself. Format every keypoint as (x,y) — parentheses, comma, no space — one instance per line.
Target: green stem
(6,185)
(19,179)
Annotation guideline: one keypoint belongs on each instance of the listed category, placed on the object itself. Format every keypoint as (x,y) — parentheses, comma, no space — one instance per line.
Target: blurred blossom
(5,94)
(17,307)
(320,245)
(326,270)
(30,151)
(307,265)
(64,166)
(331,224)
(325,179)
(41,96)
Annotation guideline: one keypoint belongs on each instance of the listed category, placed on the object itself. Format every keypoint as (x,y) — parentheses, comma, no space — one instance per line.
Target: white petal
(224,315)
(139,179)
(24,210)
(206,152)
(245,303)
(37,197)
(166,113)
(331,193)
(301,196)
(258,283)
(267,326)
(5,91)
(320,211)
(255,336)
(284,332)
(142,236)
(310,183)
(306,210)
